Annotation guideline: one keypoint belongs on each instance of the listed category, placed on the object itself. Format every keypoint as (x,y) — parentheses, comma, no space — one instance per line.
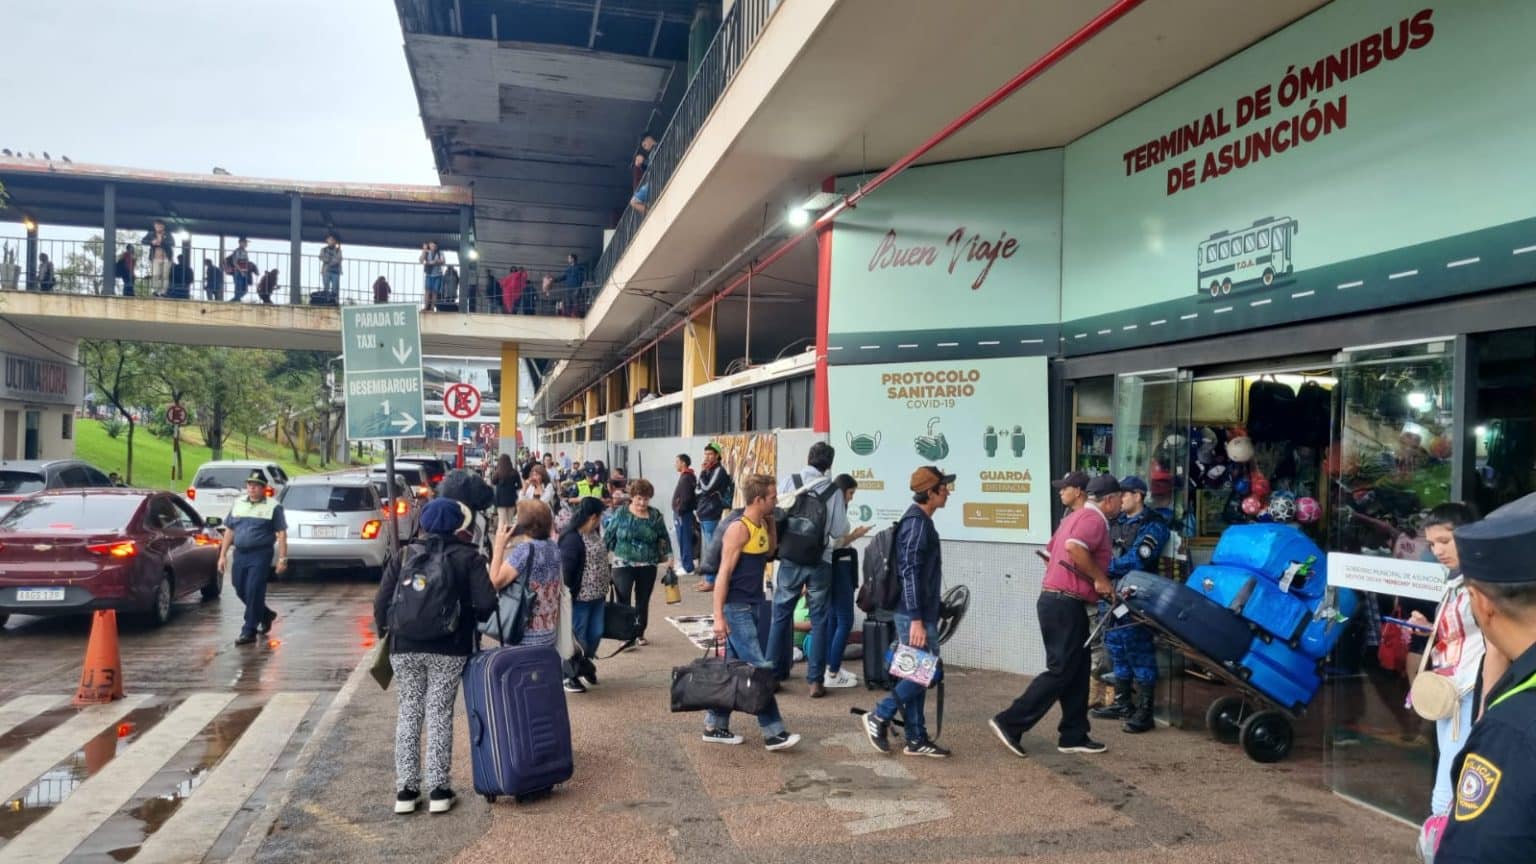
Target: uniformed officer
(255,523)
(1138,537)
(1491,821)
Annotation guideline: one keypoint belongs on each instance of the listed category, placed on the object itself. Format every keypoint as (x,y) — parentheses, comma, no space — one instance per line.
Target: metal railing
(77,269)
(737,34)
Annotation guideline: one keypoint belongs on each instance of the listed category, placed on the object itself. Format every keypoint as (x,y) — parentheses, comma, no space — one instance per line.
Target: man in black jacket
(685,500)
(714,492)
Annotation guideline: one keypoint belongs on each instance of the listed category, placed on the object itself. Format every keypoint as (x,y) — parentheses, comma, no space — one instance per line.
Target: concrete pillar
(615,393)
(639,378)
(507,390)
(31,283)
(108,237)
(295,248)
(698,363)
(469,282)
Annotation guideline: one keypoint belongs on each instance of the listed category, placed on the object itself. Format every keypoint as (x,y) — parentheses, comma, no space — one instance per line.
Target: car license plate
(326,532)
(39,595)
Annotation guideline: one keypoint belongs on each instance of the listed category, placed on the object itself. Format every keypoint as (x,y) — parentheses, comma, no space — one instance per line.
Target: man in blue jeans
(712,499)
(920,567)
(744,555)
(814,579)
(685,498)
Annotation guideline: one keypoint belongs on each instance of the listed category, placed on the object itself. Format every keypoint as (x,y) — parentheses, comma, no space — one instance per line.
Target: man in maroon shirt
(1075,579)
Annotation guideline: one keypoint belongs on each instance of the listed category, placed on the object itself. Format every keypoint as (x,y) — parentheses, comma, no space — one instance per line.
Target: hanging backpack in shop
(1314,415)
(1270,410)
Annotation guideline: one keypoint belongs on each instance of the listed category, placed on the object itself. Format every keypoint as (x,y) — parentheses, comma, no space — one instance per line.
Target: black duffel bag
(717,684)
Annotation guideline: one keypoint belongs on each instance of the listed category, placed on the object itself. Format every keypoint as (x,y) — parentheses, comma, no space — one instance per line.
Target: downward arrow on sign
(406,422)
(402,351)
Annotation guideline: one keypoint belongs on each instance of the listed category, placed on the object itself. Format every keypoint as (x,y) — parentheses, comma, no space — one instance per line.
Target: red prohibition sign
(175,414)
(461,401)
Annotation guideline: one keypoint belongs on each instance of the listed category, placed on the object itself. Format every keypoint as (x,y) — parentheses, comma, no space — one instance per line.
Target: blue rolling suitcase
(1214,631)
(1283,674)
(519,731)
(1225,586)
(1328,622)
(1270,549)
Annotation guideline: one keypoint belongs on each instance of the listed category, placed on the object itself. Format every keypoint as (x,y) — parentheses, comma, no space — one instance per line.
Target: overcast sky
(300,89)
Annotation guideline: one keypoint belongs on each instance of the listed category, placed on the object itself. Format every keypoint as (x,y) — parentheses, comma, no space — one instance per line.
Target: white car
(336,523)
(407,503)
(218,485)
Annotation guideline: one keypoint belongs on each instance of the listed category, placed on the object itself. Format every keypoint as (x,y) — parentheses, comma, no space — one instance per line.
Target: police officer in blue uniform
(1493,820)
(254,526)
(1138,535)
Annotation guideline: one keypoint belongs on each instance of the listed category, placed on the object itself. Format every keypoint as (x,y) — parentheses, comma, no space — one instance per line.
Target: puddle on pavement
(34,802)
(121,835)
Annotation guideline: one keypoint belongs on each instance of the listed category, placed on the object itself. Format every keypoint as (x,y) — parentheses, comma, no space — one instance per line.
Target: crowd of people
(598,533)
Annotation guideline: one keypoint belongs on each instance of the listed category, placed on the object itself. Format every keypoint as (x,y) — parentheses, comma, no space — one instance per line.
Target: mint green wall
(1438,142)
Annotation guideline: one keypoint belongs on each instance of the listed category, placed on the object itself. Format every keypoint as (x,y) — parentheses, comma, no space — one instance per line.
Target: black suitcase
(1213,630)
(879,635)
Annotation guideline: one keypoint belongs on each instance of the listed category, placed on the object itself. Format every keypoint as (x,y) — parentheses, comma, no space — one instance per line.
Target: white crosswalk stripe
(17,772)
(24,708)
(204,814)
(192,831)
(54,836)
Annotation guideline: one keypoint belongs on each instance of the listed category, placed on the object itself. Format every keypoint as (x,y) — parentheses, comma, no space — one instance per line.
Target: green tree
(173,373)
(229,393)
(115,370)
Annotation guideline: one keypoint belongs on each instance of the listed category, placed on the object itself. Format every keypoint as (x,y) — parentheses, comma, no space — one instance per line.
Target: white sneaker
(842,679)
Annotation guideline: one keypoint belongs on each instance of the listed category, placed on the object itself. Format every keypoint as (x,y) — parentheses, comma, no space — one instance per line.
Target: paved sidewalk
(648,790)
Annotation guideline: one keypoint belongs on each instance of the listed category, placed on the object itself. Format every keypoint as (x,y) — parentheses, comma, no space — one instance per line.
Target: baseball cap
(929,477)
(1072,478)
(713,446)
(1132,483)
(1104,484)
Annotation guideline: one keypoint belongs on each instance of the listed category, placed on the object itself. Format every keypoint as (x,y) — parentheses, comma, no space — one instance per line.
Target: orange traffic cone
(102,678)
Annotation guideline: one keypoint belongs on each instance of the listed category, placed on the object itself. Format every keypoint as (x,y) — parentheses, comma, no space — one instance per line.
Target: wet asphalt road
(323,630)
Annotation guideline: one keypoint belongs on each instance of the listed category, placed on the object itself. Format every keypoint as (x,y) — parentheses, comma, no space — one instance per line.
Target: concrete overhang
(304,328)
(838,87)
(53,192)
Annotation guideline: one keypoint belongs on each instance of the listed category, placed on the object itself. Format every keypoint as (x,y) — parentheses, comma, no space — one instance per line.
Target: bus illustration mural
(1258,254)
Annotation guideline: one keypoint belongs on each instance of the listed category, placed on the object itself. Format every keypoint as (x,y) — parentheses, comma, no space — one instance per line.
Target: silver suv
(336,522)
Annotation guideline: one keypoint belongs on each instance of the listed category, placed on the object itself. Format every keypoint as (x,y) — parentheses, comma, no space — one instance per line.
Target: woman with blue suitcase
(422,586)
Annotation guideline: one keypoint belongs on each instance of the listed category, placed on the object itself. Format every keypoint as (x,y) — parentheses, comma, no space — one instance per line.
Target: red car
(70,551)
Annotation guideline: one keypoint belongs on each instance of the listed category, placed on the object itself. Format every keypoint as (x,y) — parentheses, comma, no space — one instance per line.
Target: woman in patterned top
(584,563)
(532,555)
(637,536)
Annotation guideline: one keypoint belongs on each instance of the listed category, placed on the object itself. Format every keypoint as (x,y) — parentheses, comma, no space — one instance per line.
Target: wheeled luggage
(1213,630)
(1283,674)
(1271,549)
(879,636)
(519,730)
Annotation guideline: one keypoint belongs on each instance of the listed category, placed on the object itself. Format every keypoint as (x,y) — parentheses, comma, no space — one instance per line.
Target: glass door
(1152,411)
(1393,459)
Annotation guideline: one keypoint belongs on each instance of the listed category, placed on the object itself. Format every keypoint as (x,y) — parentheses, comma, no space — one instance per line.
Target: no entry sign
(461,401)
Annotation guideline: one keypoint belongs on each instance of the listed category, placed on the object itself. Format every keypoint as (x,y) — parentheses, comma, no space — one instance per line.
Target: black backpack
(425,605)
(1271,411)
(709,562)
(881,588)
(803,527)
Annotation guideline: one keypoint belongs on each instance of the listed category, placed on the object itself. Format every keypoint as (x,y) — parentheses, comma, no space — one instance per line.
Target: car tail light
(269,492)
(191,494)
(402,506)
(437,478)
(371,529)
(204,540)
(423,491)
(117,549)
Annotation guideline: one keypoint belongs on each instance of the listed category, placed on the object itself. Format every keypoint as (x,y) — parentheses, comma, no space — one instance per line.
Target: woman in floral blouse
(531,555)
(584,562)
(637,536)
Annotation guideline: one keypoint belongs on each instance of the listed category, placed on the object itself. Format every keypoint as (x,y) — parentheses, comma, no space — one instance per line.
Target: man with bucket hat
(255,525)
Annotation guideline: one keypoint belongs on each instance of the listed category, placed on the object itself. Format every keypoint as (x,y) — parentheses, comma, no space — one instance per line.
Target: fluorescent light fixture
(798,217)
(474,255)
(1418,400)
(821,201)
(28,224)
(182,237)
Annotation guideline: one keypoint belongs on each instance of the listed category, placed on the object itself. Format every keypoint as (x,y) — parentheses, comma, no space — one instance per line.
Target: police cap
(256,477)
(1501,547)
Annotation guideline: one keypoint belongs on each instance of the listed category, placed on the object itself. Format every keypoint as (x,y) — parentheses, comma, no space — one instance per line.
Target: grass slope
(152,456)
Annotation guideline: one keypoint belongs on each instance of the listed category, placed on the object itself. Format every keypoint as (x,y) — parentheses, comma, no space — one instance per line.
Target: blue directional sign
(381,350)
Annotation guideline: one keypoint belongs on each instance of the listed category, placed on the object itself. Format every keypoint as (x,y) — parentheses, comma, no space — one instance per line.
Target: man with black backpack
(916,561)
(814,516)
(713,496)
